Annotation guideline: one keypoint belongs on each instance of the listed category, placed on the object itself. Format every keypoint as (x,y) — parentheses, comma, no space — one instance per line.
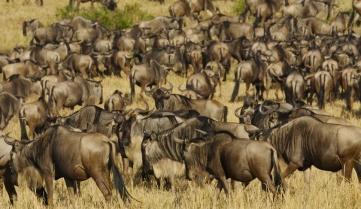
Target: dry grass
(324,191)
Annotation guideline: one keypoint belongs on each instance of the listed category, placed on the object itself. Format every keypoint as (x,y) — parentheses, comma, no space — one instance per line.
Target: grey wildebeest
(224,157)
(308,141)
(166,101)
(72,93)
(9,106)
(74,156)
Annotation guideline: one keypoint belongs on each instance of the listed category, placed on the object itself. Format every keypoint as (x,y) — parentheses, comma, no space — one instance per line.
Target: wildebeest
(21,87)
(166,101)
(110,4)
(72,93)
(93,119)
(116,102)
(294,87)
(74,156)
(307,141)
(147,75)
(203,84)
(9,106)
(26,69)
(36,116)
(224,157)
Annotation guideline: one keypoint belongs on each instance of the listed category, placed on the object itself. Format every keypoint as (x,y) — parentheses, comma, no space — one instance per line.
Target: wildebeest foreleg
(223,184)
(49,188)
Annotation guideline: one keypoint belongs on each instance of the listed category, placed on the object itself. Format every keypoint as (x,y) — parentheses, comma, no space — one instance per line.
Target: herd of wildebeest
(288,48)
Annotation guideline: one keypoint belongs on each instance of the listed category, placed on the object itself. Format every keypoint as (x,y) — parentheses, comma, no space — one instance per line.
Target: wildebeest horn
(182,90)
(201,131)
(264,112)
(9,141)
(170,87)
(237,112)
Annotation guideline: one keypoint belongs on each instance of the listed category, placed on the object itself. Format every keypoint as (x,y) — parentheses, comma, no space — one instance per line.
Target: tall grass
(118,19)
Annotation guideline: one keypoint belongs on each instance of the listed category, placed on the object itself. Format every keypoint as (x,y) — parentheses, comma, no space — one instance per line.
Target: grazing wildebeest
(9,106)
(166,101)
(21,87)
(72,93)
(308,141)
(93,119)
(74,156)
(226,157)
(27,69)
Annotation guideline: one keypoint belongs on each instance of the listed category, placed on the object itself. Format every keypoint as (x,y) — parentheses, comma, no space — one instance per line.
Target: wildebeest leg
(49,188)
(224,184)
(347,170)
(41,194)
(267,183)
(357,167)
(291,168)
(103,183)
(10,189)
(306,177)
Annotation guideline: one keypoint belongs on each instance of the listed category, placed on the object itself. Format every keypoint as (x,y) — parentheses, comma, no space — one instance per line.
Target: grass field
(324,191)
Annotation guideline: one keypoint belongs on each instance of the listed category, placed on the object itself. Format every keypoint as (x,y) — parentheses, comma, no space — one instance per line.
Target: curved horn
(264,112)
(181,90)
(170,87)
(237,112)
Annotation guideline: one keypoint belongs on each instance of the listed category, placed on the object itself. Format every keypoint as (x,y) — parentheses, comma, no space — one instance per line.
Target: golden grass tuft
(323,192)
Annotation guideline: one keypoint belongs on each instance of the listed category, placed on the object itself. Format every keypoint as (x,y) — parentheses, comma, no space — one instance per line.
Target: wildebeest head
(161,94)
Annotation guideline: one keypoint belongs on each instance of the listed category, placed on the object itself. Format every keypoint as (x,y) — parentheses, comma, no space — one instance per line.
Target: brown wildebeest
(110,4)
(74,156)
(294,87)
(21,87)
(226,157)
(308,141)
(27,69)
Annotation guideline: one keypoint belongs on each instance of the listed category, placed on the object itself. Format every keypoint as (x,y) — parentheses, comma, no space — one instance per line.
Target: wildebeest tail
(24,136)
(237,83)
(321,99)
(277,179)
(132,86)
(225,113)
(117,176)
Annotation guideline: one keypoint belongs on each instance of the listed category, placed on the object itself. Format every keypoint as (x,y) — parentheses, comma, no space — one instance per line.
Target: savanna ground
(324,191)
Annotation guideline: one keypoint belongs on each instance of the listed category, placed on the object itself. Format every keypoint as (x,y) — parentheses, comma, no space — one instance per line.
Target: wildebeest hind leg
(347,170)
(103,183)
(223,184)
(72,186)
(357,167)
